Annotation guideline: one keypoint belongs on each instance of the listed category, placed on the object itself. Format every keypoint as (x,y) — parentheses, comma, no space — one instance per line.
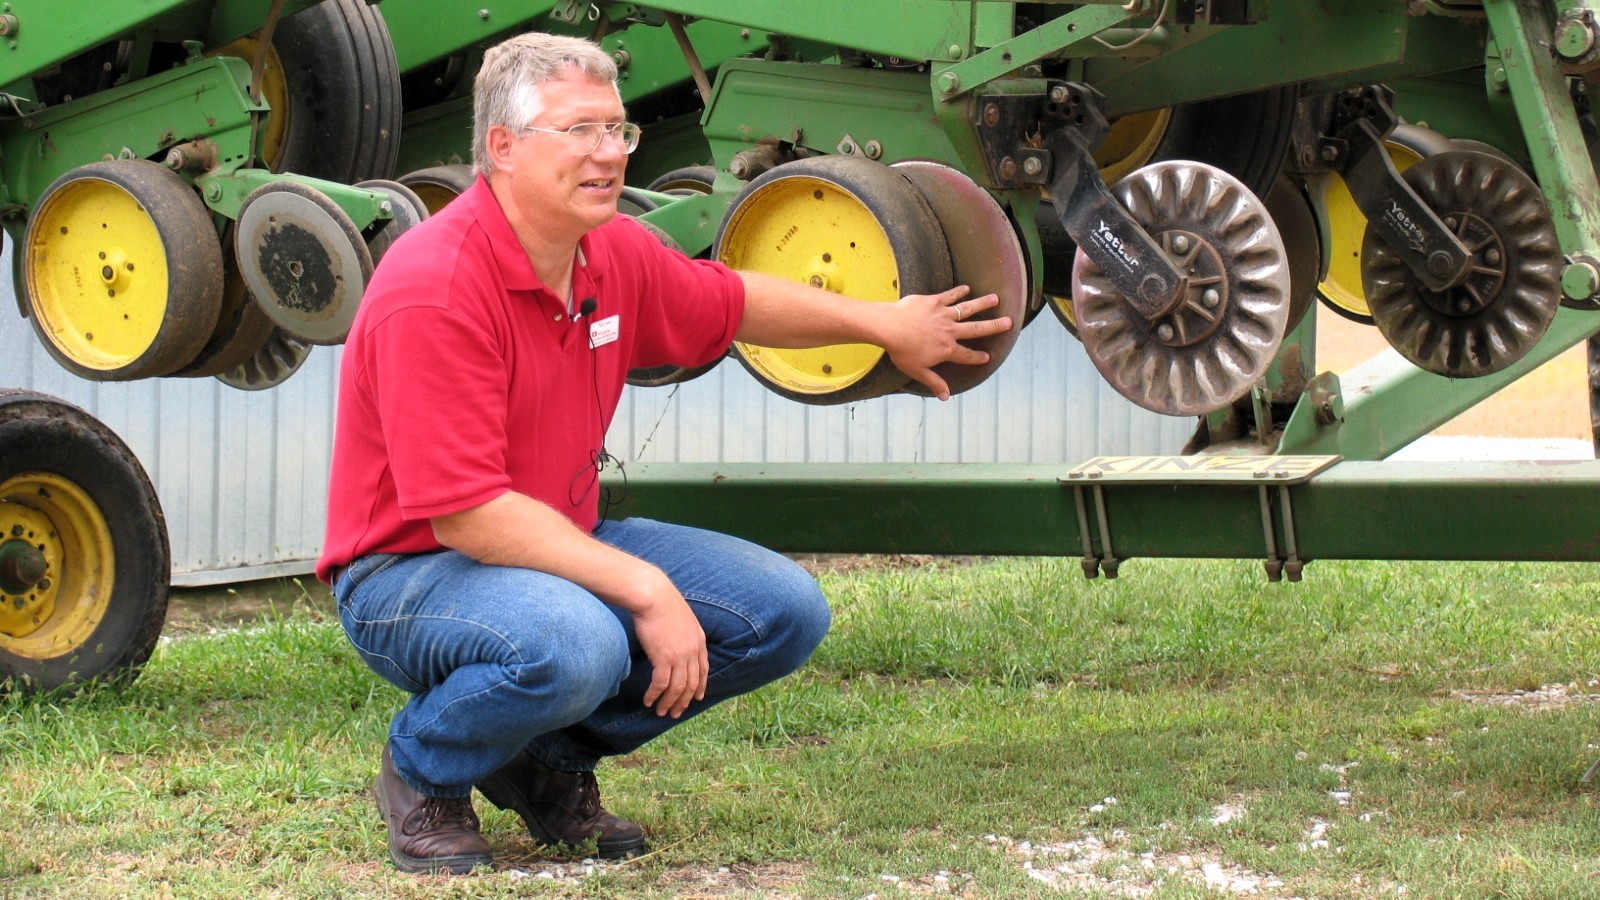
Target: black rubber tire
(438,185)
(192,256)
(42,434)
(344,88)
(686,181)
(409,212)
(922,259)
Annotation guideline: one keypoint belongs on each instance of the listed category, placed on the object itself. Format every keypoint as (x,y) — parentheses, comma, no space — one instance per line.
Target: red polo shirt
(464,377)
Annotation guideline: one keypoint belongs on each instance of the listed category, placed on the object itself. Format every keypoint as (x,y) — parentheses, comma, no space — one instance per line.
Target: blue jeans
(499,659)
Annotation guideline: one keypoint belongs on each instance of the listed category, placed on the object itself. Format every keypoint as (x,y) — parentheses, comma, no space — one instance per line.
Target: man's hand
(675,643)
(926,329)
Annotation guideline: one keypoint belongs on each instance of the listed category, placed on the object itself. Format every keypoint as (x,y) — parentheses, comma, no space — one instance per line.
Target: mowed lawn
(974,728)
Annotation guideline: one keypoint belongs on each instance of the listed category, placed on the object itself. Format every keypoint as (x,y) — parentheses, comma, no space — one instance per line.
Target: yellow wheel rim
(274,90)
(1347,228)
(97,274)
(813,231)
(434,196)
(60,612)
(1131,143)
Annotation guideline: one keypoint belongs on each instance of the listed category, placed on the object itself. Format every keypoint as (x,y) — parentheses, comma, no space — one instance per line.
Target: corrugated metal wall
(242,475)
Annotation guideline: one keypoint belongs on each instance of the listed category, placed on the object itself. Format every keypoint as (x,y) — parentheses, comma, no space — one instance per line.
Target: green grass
(960,725)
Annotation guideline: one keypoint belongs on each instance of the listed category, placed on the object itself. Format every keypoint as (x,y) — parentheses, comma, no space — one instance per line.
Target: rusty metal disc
(303,259)
(406,210)
(985,254)
(1216,343)
(1512,288)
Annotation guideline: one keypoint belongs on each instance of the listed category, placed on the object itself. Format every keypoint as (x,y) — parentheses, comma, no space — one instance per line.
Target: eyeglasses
(586,136)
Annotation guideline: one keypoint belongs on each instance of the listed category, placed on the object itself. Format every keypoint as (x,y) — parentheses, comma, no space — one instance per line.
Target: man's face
(554,184)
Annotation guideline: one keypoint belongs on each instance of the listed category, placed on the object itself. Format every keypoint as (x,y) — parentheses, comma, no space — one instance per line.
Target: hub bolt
(1180,243)
(1211,298)
(1164,331)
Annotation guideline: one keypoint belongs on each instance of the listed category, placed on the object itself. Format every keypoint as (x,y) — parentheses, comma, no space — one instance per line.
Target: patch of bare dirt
(1550,696)
(819,564)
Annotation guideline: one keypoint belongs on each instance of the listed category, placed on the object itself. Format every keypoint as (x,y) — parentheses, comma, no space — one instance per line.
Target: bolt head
(1032,165)
(1211,298)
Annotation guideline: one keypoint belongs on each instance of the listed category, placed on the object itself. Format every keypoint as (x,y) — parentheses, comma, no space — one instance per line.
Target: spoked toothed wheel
(1221,336)
(333,86)
(122,271)
(1245,135)
(84,560)
(303,259)
(1512,289)
(271,365)
(1342,289)
(843,224)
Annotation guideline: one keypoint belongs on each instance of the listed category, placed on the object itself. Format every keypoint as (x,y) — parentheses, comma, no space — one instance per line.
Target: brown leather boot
(428,834)
(561,808)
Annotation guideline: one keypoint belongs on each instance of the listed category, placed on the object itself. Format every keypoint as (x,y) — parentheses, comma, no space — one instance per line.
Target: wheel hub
(1486,268)
(1205,301)
(27,590)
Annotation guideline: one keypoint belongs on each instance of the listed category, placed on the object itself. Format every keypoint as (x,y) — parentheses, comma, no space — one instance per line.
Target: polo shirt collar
(515,268)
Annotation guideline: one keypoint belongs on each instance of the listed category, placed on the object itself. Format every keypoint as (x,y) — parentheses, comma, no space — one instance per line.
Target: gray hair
(507,90)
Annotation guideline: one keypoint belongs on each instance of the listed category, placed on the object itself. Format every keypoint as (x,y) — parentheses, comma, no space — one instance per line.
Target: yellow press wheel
(842,224)
(122,271)
(84,560)
(1341,290)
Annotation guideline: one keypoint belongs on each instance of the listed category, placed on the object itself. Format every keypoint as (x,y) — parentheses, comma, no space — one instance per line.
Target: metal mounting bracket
(1269,475)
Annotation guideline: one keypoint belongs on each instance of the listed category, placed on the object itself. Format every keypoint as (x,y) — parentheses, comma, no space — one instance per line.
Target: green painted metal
(1387,403)
(1328,46)
(141,119)
(1561,161)
(1354,510)
(425,31)
(224,192)
(906,29)
(816,106)
(46,34)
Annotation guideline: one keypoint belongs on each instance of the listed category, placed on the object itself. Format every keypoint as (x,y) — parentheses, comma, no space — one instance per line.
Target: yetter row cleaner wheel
(1342,290)
(1221,337)
(843,224)
(84,561)
(122,271)
(1512,289)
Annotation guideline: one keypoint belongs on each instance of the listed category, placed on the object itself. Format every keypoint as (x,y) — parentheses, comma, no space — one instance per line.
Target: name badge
(603,331)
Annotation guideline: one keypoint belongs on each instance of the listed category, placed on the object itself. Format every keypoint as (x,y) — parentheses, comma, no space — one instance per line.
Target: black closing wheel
(661,376)
(303,260)
(438,185)
(84,560)
(1512,288)
(406,211)
(685,182)
(333,86)
(1219,338)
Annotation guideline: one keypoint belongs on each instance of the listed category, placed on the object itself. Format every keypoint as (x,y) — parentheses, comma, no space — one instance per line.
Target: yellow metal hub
(1347,228)
(97,271)
(274,90)
(1131,143)
(59,611)
(810,230)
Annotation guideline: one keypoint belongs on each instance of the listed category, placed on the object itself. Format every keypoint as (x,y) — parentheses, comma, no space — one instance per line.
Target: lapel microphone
(585,308)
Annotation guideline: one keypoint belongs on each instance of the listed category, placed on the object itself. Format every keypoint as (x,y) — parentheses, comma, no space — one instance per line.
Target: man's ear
(497,143)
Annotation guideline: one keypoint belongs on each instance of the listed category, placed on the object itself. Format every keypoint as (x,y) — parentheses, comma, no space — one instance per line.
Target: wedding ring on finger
(961,312)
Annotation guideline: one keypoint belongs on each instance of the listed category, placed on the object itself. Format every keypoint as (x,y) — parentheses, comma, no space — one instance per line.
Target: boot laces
(438,813)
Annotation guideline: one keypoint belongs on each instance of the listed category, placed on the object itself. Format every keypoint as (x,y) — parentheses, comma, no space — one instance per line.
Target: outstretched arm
(918,331)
